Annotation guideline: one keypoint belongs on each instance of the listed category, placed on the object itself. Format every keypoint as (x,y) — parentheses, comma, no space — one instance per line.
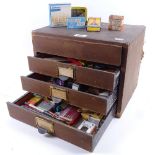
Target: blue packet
(76,22)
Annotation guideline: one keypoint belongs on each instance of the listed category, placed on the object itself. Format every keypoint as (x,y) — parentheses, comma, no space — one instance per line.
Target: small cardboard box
(58,14)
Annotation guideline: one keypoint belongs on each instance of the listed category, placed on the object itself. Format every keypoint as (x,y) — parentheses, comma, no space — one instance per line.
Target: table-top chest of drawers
(113,60)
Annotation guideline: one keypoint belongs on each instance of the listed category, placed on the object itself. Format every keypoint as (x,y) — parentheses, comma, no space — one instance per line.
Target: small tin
(94,24)
(79,12)
(76,22)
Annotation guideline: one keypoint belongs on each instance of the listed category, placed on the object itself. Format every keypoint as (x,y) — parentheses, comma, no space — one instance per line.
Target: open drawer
(40,84)
(104,79)
(57,128)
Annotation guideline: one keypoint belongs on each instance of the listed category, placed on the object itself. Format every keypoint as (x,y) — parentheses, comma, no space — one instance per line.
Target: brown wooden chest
(119,52)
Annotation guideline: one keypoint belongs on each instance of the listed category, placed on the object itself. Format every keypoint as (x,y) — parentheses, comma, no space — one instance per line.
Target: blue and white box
(76,22)
(58,14)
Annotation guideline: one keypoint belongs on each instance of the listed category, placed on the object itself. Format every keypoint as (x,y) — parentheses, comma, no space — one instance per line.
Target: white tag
(119,39)
(80,35)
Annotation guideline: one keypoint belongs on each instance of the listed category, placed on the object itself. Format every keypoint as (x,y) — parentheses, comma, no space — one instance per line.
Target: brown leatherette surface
(119,48)
(61,130)
(99,78)
(77,98)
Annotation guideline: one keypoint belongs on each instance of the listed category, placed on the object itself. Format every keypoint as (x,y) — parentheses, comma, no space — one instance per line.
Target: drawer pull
(44,126)
(59,93)
(69,72)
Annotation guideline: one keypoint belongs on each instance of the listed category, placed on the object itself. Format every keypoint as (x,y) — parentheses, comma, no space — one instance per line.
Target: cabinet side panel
(131,61)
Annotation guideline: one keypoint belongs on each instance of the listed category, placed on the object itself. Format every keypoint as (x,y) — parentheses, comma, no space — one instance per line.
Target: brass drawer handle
(58,92)
(69,72)
(44,126)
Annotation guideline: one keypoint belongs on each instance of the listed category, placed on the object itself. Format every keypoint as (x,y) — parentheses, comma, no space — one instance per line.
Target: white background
(133,133)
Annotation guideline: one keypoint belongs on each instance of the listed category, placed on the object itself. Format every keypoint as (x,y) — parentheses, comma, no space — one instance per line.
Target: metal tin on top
(76,22)
(94,24)
(79,12)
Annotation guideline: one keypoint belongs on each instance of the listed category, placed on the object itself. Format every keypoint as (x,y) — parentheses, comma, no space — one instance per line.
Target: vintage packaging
(94,24)
(45,105)
(76,22)
(70,115)
(87,127)
(86,115)
(61,81)
(92,117)
(79,12)
(34,100)
(58,14)
(116,23)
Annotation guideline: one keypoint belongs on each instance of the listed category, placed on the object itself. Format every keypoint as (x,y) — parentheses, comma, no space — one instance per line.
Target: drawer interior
(69,84)
(78,62)
(88,93)
(54,106)
(87,126)
(89,73)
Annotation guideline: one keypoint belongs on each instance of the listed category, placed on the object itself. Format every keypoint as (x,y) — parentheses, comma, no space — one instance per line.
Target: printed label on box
(58,14)
(76,22)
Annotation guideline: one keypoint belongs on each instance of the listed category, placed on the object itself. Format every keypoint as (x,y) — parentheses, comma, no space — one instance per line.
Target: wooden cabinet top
(125,37)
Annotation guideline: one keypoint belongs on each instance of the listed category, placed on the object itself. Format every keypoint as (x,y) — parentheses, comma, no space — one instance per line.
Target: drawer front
(84,50)
(97,78)
(43,66)
(59,129)
(35,86)
(88,101)
(73,97)
(92,77)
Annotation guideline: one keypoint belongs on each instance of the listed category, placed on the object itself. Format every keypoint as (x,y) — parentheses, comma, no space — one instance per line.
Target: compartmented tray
(57,128)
